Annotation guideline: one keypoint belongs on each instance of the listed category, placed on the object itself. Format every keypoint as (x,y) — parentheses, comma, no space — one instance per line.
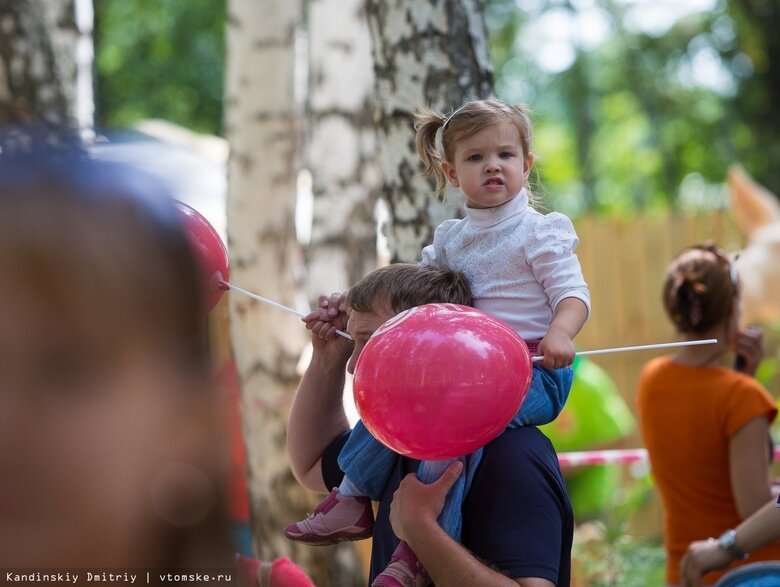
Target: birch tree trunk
(41,44)
(262,128)
(426,52)
(341,146)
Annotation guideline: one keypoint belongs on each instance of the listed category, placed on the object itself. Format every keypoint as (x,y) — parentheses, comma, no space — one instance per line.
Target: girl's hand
(557,349)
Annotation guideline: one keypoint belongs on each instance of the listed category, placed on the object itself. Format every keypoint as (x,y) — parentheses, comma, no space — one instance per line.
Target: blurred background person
(706,425)
(112,433)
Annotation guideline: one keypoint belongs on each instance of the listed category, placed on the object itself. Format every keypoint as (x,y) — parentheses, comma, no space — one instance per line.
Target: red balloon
(209,250)
(441,380)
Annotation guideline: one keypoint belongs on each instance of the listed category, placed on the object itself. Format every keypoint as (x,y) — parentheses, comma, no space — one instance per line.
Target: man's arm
(414,514)
(317,414)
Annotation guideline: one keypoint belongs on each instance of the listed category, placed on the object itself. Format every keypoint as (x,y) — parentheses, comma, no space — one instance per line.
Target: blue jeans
(367,463)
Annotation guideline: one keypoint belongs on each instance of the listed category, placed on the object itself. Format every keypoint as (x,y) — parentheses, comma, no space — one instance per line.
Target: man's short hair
(405,285)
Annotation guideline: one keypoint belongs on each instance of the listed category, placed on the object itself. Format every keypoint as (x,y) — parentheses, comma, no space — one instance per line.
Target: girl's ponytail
(427,123)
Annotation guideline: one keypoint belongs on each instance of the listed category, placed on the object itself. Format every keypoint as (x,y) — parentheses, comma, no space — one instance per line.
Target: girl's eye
(475,157)
(506,155)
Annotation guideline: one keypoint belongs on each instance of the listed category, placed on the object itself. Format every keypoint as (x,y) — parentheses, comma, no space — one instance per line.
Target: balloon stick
(225,285)
(641,347)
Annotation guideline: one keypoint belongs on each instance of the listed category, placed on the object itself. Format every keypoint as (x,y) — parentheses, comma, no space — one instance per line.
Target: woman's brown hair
(700,288)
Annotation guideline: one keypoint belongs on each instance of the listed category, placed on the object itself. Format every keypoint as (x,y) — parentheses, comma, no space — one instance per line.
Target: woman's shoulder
(656,365)
(652,371)
(742,383)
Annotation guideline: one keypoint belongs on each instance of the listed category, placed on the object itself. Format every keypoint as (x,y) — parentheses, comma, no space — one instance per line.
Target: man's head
(383,293)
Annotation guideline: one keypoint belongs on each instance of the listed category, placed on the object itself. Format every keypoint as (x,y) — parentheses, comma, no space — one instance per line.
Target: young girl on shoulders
(522,269)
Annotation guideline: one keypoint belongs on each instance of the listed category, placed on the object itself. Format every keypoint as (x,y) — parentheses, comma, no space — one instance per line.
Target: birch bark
(341,146)
(261,126)
(45,52)
(426,53)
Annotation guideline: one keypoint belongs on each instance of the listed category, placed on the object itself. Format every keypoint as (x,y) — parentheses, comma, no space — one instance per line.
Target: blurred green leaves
(160,60)
(630,115)
(641,115)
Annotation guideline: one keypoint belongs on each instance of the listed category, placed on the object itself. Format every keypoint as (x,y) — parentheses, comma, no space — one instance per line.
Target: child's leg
(349,489)
(346,513)
(546,397)
(404,568)
(367,464)
(450,518)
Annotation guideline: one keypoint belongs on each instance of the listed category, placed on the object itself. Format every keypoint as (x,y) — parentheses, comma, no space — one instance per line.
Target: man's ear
(451,174)
(529,163)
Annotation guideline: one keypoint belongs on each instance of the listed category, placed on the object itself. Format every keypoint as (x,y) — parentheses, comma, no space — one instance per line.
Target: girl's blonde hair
(461,124)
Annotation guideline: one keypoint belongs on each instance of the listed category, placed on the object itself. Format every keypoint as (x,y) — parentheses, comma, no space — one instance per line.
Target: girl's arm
(557,346)
(748,458)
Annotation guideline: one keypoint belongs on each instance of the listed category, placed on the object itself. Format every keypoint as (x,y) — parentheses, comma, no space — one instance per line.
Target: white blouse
(520,263)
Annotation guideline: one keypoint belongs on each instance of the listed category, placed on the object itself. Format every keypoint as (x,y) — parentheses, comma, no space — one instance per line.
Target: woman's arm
(748,471)
(756,532)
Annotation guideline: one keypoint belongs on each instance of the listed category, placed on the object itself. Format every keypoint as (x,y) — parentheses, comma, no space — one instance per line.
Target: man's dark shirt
(517,517)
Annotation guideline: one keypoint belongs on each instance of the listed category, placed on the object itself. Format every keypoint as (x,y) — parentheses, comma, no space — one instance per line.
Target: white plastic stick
(641,347)
(274,304)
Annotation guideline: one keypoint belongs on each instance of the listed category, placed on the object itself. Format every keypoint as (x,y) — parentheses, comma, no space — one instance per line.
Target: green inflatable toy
(594,417)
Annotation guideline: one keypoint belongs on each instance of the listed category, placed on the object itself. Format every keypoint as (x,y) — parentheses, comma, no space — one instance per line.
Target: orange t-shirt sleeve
(748,400)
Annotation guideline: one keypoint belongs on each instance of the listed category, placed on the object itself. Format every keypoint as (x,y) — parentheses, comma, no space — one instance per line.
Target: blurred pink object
(210,252)
(282,572)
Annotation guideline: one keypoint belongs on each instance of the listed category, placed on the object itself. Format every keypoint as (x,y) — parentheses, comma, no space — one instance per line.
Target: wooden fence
(624,262)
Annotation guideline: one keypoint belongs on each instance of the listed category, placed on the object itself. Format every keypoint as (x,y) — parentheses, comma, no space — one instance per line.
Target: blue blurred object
(242,539)
(754,575)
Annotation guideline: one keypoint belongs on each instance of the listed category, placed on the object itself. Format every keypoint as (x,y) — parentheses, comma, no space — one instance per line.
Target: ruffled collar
(492,216)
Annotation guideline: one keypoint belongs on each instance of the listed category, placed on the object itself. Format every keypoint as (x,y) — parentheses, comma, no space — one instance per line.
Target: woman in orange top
(705,426)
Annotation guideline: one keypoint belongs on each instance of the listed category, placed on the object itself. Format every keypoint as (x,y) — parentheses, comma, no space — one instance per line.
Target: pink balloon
(210,252)
(441,380)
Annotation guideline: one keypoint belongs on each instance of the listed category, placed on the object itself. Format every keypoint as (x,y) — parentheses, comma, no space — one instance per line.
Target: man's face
(361,326)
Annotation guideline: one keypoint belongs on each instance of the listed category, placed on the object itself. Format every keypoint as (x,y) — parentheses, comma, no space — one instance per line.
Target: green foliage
(606,555)
(160,60)
(618,560)
(642,119)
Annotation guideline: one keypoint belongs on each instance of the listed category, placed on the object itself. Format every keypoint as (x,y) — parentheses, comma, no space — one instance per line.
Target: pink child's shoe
(404,570)
(337,519)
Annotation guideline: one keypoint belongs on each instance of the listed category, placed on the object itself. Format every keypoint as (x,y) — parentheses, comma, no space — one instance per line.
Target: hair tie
(695,307)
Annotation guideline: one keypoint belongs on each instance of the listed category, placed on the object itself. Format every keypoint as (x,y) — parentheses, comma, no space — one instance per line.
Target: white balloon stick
(641,347)
(274,304)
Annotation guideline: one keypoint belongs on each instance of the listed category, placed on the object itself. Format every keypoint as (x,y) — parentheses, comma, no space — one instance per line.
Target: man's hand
(416,504)
(702,556)
(557,349)
(749,347)
(331,315)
